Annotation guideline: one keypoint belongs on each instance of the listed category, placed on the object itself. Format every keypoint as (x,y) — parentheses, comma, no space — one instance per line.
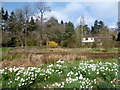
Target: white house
(88,40)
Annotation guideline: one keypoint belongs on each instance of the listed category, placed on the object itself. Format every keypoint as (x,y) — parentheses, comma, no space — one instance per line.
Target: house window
(86,38)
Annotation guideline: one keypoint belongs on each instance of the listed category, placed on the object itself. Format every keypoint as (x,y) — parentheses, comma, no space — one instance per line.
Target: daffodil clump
(21,77)
(63,74)
(87,74)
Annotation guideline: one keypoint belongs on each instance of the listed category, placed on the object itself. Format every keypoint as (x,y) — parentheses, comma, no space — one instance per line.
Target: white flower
(56,84)
(19,85)
(62,83)
(62,86)
(53,85)
(76,74)
(5,72)
(10,69)
(10,81)
(80,76)
(5,67)
(97,72)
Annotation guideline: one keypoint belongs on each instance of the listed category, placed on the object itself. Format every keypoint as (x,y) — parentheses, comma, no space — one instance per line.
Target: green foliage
(30,43)
(68,36)
(16,29)
(94,45)
(97,26)
(63,74)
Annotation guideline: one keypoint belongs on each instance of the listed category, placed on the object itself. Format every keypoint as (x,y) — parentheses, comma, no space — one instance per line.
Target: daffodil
(97,62)
(113,85)
(48,76)
(45,78)
(111,81)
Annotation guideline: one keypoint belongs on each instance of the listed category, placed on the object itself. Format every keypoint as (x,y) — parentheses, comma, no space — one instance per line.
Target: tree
(101,24)
(118,39)
(86,30)
(6,16)
(31,25)
(78,36)
(20,28)
(96,26)
(69,35)
(6,35)
(42,9)
(27,14)
(105,38)
(12,21)
(62,22)
(52,29)
(2,11)
(12,29)
(93,30)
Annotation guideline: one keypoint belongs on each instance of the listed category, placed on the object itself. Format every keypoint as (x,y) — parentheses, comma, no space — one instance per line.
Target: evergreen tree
(101,24)
(2,10)
(86,30)
(6,16)
(96,26)
(12,16)
(68,36)
(12,23)
(31,25)
(93,30)
(62,22)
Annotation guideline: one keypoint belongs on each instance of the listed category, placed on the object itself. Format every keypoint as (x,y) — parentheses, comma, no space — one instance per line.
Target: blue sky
(72,11)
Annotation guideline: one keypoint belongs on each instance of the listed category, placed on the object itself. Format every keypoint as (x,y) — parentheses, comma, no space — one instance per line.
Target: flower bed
(63,74)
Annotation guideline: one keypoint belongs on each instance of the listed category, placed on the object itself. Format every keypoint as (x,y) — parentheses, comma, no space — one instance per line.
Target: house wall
(87,40)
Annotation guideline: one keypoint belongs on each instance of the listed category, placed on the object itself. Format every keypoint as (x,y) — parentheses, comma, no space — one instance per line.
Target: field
(59,68)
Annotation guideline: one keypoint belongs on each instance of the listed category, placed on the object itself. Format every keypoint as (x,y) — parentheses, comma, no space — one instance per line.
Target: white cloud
(106,12)
(112,25)
(89,20)
(68,11)
(61,16)
(73,7)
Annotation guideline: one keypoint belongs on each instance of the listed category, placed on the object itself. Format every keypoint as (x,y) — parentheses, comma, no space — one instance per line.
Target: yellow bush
(51,44)
(116,37)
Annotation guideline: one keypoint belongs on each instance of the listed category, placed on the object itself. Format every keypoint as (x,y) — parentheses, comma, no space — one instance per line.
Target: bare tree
(20,26)
(27,14)
(42,8)
(105,38)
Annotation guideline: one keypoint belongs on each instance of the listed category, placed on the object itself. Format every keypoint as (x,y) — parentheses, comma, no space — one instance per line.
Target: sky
(72,11)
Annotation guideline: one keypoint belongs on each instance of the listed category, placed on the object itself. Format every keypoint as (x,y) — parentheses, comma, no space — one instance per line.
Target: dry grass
(38,60)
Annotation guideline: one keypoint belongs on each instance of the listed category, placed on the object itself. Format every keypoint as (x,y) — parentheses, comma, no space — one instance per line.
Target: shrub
(51,44)
(30,43)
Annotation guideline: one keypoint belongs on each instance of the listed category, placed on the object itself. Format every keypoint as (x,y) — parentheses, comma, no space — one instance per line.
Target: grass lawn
(64,74)
(77,50)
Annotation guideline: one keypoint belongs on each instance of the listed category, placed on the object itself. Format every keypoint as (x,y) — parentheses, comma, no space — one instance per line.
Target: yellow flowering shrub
(51,44)
(116,37)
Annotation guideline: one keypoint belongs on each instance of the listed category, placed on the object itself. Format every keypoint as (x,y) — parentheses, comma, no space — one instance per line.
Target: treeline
(21,28)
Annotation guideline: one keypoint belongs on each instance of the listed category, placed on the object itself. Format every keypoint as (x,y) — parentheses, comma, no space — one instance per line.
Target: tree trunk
(21,43)
(26,34)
